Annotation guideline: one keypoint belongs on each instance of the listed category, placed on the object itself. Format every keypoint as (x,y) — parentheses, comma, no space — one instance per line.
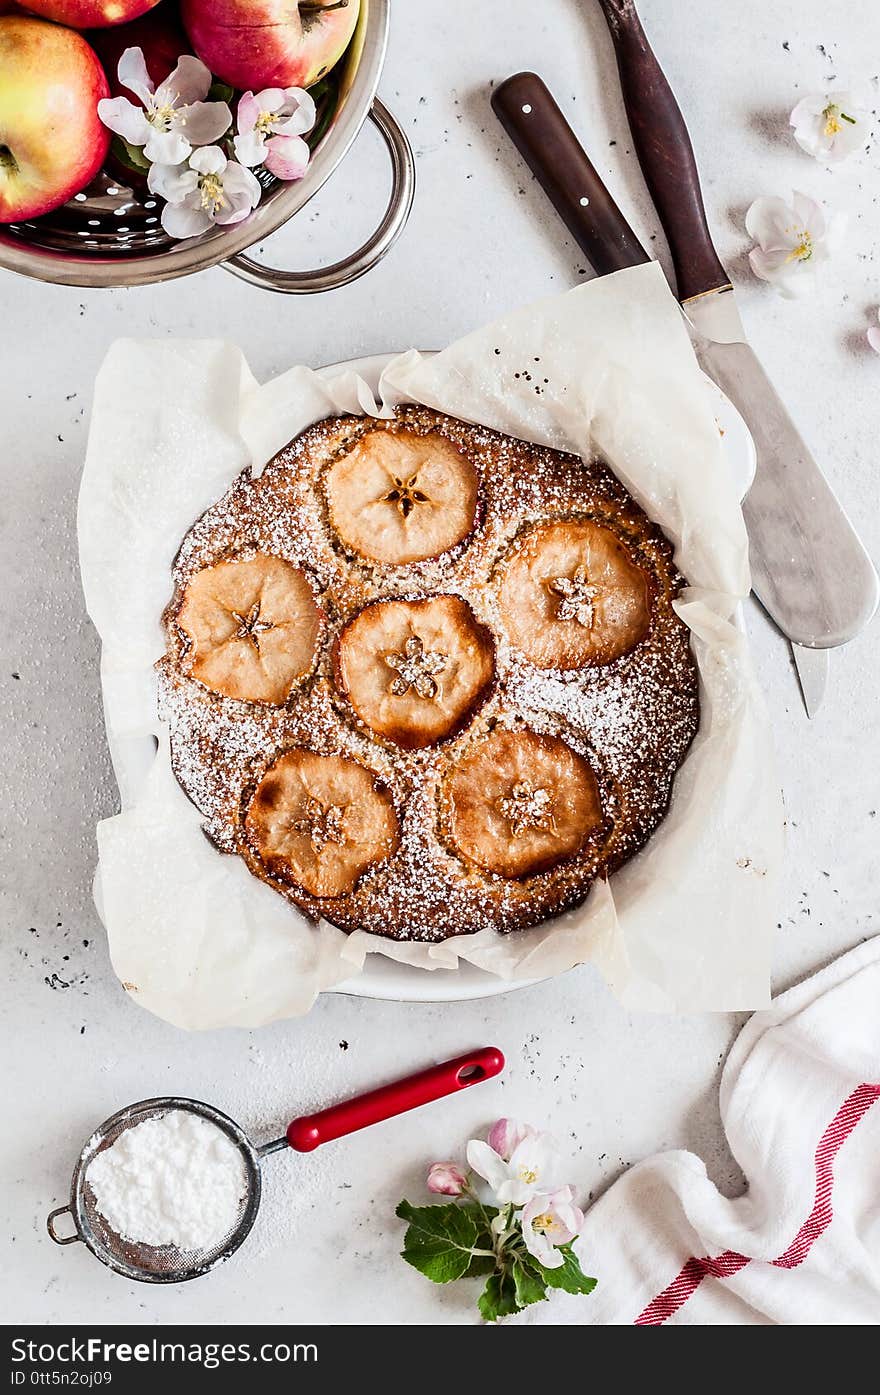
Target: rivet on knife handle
(530,116)
(665,154)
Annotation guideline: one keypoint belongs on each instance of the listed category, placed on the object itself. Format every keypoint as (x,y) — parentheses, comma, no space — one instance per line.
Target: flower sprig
(520,1240)
(188,150)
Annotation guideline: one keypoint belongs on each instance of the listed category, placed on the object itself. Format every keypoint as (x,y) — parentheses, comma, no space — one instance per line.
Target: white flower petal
(132,73)
(271,98)
(172,182)
(180,220)
(250,148)
(209,159)
(486,1163)
(127,120)
(166,147)
(809,214)
(287,157)
(247,113)
(204,122)
(241,193)
(189,82)
(297,115)
(768,220)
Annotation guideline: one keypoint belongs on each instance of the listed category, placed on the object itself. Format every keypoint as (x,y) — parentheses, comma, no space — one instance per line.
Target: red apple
(51,141)
(270,43)
(158,34)
(89,14)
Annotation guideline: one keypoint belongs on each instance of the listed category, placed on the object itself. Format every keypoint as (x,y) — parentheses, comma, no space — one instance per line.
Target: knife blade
(812,667)
(809,568)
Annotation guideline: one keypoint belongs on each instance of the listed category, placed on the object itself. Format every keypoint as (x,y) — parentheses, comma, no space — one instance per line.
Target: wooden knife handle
(529,114)
(665,153)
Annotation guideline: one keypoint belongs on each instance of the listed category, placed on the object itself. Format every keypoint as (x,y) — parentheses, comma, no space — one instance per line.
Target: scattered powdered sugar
(175,1179)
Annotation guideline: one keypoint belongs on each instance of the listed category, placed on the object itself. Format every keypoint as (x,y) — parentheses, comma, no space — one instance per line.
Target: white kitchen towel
(799,1102)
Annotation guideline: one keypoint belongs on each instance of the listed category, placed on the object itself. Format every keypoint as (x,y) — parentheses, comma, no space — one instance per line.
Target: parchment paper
(687,923)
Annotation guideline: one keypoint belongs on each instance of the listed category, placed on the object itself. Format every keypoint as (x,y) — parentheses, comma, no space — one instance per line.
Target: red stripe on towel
(853,1109)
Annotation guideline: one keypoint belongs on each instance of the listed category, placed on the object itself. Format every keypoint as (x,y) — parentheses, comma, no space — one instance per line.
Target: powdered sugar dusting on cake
(632,719)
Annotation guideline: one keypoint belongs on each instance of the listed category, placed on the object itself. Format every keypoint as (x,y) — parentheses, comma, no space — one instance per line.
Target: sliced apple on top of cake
(415,671)
(519,803)
(319,822)
(252,628)
(571,595)
(399,496)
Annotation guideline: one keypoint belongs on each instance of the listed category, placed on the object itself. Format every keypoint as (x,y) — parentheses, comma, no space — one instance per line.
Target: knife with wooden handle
(539,130)
(809,568)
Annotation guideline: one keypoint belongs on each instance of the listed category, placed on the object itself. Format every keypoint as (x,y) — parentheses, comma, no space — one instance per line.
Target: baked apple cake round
(425,678)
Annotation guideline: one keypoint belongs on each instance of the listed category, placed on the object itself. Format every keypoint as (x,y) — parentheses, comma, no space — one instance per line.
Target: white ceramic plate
(403,983)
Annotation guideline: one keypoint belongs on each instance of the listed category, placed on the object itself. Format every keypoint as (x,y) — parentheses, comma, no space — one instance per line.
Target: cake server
(538,128)
(166,1264)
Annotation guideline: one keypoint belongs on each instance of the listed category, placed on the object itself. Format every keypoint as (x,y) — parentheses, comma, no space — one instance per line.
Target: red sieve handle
(433,1084)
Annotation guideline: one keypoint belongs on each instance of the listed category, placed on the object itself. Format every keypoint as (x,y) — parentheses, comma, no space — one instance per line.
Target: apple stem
(7,159)
(315,9)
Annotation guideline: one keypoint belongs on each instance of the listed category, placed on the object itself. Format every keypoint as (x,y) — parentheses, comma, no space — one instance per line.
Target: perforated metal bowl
(110,235)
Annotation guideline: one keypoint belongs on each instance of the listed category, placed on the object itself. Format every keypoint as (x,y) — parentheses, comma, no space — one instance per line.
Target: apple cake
(425,678)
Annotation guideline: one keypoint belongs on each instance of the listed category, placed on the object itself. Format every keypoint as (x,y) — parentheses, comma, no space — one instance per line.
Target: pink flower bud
(506,1135)
(446,1178)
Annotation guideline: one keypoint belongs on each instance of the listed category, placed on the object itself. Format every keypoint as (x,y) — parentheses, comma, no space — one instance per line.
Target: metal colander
(111,234)
(166,1264)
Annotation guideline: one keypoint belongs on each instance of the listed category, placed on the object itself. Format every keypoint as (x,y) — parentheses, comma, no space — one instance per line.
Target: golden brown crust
(628,721)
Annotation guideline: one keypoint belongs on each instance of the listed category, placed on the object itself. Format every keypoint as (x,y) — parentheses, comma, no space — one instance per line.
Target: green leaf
(569,1276)
(530,1287)
(131,156)
(220,92)
(498,1298)
(440,1239)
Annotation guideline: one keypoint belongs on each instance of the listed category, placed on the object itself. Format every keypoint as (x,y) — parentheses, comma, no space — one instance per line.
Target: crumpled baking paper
(687,923)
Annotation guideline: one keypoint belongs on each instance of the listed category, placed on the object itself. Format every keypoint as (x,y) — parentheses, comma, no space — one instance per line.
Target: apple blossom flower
(548,1221)
(207,189)
(506,1134)
(173,118)
(793,240)
(530,1168)
(270,130)
(831,125)
(447,1179)
(873,336)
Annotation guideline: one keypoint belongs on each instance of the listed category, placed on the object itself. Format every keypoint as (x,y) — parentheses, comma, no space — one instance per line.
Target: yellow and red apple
(253,44)
(52,142)
(89,14)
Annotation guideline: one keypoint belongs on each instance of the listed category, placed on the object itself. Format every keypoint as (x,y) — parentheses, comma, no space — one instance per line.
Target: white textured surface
(481,240)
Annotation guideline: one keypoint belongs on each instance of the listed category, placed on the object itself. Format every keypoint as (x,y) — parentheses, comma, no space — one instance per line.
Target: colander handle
(447,1079)
(327,278)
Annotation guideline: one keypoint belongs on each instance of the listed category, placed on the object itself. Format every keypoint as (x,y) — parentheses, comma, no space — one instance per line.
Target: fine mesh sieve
(164,1264)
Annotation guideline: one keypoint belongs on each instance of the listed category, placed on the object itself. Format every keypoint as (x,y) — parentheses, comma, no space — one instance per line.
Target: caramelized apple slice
(414,671)
(319,822)
(399,497)
(519,803)
(253,628)
(571,595)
